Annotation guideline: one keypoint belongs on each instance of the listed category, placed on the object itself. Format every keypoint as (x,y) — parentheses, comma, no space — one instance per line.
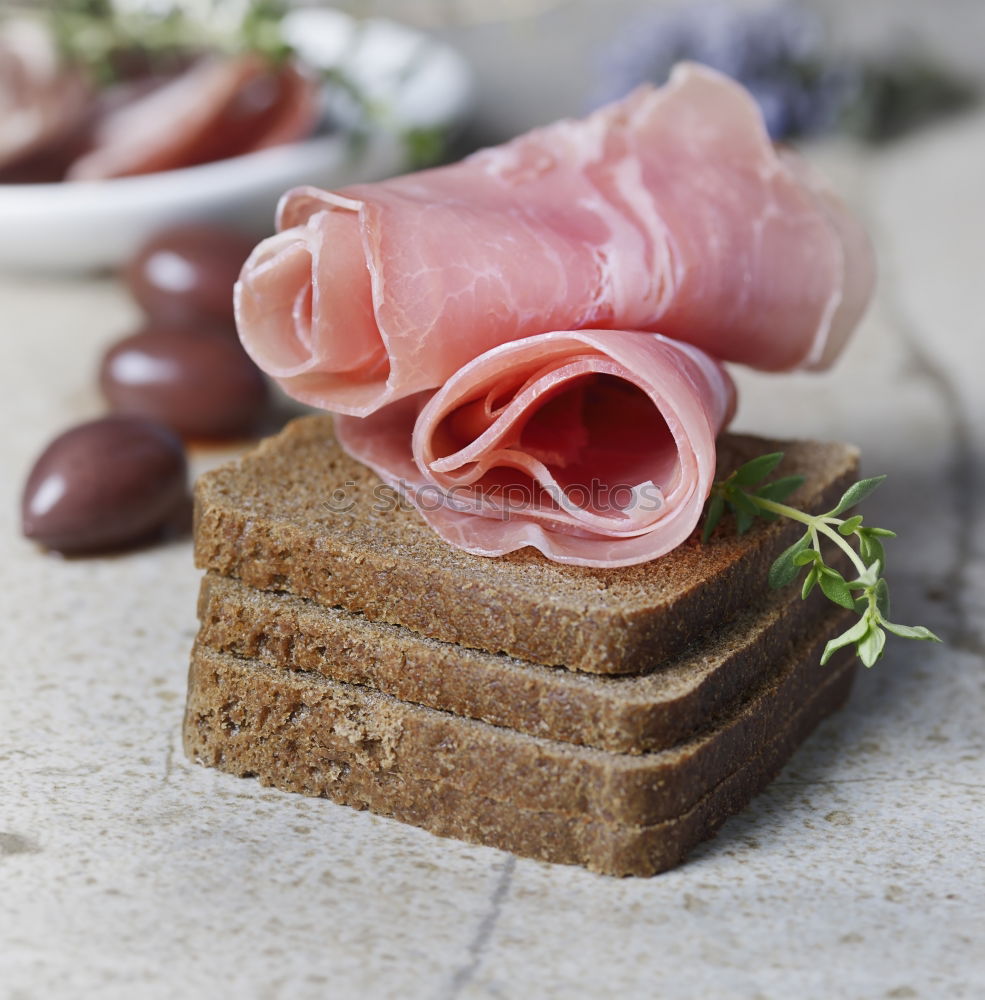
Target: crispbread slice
(325,719)
(289,761)
(625,714)
(298,515)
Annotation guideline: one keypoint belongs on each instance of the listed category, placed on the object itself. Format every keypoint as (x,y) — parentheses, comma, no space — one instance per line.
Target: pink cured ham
(669,211)
(596,447)
(219,107)
(42,101)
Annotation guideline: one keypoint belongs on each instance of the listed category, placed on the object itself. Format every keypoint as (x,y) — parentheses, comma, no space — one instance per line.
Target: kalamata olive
(185,273)
(201,383)
(104,484)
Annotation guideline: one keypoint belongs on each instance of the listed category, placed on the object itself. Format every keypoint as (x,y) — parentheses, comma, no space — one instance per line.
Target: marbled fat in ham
(596,447)
(669,211)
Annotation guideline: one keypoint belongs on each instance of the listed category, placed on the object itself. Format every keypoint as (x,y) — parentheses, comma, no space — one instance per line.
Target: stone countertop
(126,871)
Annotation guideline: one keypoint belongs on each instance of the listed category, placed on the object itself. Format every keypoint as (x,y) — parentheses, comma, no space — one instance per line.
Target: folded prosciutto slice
(668,211)
(596,447)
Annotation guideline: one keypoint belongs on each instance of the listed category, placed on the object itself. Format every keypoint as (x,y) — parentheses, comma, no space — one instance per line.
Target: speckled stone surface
(127,872)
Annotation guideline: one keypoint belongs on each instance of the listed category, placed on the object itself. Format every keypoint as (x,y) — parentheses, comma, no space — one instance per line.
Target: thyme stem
(745,494)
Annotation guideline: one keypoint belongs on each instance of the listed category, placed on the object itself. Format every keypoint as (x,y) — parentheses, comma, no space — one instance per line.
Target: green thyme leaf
(856,494)
(780,489)
(756,470)
(743,501)
(810,581)
(849,638)
(881,592)
(745,511)
(871,647)
(835,589)
(910,631)
(716,507)
(784,569)
(850,526)
(871,549)
(867,578)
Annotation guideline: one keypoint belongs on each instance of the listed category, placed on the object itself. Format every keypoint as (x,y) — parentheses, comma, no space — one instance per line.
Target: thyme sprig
(747,495)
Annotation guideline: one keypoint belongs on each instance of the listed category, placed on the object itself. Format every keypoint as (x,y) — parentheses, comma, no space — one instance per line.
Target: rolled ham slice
(668,211)
(596,447)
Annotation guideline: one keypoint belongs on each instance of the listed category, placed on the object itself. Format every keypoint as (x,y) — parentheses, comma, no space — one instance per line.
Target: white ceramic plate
(87,226)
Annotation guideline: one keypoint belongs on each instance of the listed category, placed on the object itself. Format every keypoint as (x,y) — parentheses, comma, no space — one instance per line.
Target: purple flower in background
(777,52)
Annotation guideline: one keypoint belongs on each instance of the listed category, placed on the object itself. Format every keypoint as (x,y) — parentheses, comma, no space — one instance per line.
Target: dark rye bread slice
(273,519)
(625,714)
(357,725)
(281,759)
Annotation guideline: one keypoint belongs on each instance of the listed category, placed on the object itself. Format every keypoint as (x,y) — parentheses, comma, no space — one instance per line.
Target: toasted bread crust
(274,521)
(292,754)
(625,714)
(359,725)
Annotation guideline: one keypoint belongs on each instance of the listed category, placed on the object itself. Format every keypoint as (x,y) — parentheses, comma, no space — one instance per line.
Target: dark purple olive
(201,384)
(105,484)
(186,273)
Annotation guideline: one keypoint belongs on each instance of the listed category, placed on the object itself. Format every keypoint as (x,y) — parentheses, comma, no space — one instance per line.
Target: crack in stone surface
(477,947)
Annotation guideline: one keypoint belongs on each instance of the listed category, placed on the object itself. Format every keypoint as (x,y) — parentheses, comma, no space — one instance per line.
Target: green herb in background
(105,40)
(425,145)
(261,32)
(896,96)
(745,494)
(111,43)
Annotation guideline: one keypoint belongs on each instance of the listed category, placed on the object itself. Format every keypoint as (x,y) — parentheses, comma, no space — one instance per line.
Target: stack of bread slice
(611,718)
